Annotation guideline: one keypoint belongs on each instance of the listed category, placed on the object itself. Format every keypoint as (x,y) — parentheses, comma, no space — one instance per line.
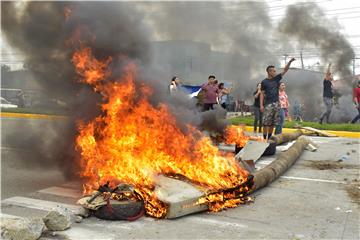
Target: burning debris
(118,203)
(236,135)
(133,141)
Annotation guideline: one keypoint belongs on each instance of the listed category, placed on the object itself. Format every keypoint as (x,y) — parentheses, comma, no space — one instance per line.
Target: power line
(277,7)
(330,14)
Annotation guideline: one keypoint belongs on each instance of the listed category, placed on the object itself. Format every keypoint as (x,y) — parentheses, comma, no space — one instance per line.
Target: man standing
(357,101)
(211,91)
(327,95)
(269,98)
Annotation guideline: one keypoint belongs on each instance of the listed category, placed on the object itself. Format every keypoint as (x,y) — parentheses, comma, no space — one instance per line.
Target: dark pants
(358,116)
(258,118)
(224,105)
(328,104)
(208,106)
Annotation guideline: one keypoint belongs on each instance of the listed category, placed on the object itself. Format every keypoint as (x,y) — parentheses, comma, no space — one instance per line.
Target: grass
(249,121)
(35,111)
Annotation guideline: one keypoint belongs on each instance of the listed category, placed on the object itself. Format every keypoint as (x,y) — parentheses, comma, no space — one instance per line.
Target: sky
(346,12)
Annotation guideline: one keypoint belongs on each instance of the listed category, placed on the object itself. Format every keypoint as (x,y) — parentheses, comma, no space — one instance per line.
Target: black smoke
(47,37)
(47,33)
(308,24)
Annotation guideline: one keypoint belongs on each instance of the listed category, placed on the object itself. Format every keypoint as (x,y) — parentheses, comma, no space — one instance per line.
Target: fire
(133,141)
(236,135)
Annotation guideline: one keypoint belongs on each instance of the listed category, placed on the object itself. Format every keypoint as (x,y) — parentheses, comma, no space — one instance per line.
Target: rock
(21,228)
(58,219)
(84,212)
(78,219)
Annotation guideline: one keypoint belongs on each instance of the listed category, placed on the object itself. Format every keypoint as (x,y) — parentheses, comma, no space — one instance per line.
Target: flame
(133,141)
(236,135)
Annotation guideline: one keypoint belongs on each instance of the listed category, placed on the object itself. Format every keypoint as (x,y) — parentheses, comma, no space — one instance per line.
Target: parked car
(6,104)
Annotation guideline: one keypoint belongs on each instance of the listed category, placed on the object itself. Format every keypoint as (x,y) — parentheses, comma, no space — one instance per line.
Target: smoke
(304,87)
(308,24)
(47,33)
(238,34)
(42,32)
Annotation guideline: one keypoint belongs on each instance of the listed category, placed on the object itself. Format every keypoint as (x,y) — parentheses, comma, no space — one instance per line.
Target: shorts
(271,115)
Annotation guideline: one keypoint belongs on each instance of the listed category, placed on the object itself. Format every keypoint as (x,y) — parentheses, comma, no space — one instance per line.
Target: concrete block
(181,197)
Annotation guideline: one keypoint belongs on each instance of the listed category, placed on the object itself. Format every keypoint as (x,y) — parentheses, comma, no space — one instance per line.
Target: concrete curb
(30,115)
(337,133)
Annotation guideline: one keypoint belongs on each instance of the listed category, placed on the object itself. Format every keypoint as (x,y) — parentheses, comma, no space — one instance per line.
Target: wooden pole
(286,137)
(282,163)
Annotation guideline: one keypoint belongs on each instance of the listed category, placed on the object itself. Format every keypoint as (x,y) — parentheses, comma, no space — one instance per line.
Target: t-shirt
(257,100)
(283,98)
(357,94)
(211,91)
(327,89)
(223,98)
(271,88)
(172,88)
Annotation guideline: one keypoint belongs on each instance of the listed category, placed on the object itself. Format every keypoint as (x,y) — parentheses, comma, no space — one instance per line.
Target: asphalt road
(23,168)
(317,198)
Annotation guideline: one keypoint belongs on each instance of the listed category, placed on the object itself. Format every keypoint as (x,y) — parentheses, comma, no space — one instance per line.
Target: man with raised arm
(327,95)
(269,98)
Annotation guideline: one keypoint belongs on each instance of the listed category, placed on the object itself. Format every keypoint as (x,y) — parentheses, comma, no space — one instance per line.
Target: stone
(58,219)
(84,212)
(21,228)
(78,219)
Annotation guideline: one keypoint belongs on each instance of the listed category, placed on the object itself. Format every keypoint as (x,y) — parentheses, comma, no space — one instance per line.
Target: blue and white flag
(193,91)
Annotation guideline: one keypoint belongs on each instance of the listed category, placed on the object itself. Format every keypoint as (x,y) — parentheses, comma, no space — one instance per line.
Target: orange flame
(133,141)
(236,135)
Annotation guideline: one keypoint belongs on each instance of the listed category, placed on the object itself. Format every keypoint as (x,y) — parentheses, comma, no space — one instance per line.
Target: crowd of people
(214,93)
(271,104)
(211,93)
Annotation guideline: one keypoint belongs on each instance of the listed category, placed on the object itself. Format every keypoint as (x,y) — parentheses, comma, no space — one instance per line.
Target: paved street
(318,198)
(23,169)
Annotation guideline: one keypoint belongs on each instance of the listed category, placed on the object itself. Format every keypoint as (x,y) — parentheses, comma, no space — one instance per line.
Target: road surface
(318,198)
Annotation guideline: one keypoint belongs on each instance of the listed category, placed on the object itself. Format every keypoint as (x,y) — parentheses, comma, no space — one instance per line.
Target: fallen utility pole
(286,137)
(185,201)
(282,163)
